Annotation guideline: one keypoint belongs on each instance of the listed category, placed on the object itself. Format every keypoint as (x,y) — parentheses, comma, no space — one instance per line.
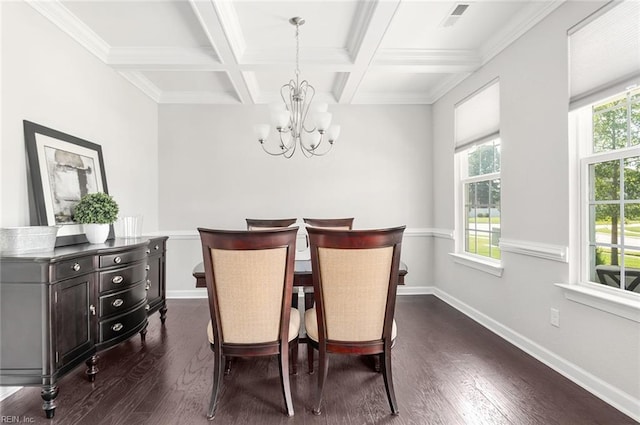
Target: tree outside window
(614,192)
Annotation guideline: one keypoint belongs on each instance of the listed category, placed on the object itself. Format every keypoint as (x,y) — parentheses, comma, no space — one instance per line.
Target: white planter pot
(96,233)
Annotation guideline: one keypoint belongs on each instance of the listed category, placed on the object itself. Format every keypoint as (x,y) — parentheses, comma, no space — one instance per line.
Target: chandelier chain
(297,49)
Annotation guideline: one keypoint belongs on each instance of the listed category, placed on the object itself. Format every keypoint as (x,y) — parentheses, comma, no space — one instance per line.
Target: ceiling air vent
(455,14)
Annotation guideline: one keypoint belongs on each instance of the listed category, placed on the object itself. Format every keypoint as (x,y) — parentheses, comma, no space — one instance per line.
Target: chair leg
(323,368)
(388,380)
(294,356)
(310,356)
(308,304)
(217,378)
(283,364)
(227,365)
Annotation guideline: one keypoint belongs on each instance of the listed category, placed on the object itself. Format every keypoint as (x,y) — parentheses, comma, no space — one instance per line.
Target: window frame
(461,255)
(583,132)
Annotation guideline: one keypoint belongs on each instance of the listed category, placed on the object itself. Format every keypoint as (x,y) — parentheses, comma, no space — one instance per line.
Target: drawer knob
(117,279)
(156,247)
(147,307)
(117,302)
(117,327)
(117,260)
(147,268)
(76,267)
(148,251)
(148,286)
(92,309)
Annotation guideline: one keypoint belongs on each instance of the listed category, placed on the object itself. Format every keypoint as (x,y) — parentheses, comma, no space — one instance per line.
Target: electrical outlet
(555,317)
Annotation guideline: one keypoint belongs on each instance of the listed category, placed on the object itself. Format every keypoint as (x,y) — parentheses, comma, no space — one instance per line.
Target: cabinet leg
(163,313)
(48,394)
(143,334)
(92,367)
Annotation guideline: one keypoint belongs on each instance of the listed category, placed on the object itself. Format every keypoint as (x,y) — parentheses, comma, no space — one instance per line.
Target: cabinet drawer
(70,268)
(121,258)
(122,277)
(123,325)
(122,301)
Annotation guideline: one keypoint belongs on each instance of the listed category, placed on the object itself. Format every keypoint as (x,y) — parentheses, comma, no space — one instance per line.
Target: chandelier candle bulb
(323,120)
(333,133)
(262,131)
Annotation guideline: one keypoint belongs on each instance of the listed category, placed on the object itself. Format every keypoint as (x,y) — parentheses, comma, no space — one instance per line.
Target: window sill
(619,304)
(492,267)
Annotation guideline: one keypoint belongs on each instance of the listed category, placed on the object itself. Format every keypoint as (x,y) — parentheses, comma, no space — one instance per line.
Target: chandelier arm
(288,153)
(271,153)
(308,104)
(315,150)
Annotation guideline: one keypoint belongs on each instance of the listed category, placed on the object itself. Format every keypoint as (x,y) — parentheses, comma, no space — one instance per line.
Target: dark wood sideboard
(60,308)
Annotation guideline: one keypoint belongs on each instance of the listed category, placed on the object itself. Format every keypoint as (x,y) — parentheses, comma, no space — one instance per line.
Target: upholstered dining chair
(249,279)
(355,276)
(330,223)
(325,223)
(268,224)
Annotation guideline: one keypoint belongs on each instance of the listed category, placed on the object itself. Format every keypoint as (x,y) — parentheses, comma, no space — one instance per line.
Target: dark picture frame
(61,169)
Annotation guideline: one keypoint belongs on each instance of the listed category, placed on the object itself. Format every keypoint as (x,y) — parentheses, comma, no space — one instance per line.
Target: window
(604,59)
(610,165)
(480,182)
(477,124)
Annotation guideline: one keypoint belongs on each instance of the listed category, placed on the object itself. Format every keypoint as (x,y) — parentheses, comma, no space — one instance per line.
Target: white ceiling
(242,52)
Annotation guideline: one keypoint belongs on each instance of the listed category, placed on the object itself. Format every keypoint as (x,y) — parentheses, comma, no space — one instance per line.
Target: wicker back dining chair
(355,276)
(269,224)
(249,284)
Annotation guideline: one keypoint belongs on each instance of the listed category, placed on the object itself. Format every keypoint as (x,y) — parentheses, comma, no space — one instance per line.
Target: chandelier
(289,117)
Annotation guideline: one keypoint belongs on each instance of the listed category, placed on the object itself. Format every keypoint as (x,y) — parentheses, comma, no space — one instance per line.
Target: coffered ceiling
(242,52)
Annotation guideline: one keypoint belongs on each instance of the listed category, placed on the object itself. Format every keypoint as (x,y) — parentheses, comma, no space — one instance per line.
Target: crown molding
(364,15)
(230,24)
(198,97)
(309,56)
(196,58)
(374,98)
(535,12)
(143,83)
(427,60)
(70,24)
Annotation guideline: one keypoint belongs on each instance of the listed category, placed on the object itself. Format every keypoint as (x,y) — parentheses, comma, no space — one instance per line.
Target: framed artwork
(62,168)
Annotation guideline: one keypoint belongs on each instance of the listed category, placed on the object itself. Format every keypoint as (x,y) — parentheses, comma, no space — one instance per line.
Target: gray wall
(539,182)
(49,79)
(213,173)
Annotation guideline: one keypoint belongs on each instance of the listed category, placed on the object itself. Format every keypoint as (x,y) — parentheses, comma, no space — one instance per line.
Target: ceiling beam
(364,40)
(215,18)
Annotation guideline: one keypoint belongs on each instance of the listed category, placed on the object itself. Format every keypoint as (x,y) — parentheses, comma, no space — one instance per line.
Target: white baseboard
(7,391)
(188,293)
(596,386)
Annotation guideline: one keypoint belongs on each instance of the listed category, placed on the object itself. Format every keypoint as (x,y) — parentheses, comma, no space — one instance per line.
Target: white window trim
(460,256)
(478,262)
(613,301)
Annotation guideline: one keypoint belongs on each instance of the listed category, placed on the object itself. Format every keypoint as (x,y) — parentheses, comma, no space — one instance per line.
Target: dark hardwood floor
(447,370)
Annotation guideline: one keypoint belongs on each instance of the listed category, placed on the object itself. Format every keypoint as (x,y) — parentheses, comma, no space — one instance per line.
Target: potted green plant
(96,212)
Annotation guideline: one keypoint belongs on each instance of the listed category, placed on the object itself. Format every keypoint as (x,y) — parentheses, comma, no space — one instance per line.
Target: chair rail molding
(409,232)
(536,249)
